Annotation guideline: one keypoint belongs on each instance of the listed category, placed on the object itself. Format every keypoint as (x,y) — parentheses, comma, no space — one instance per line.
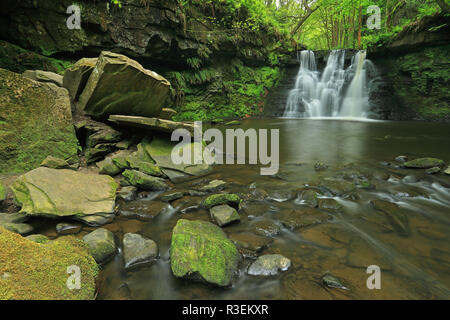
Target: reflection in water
(415,264)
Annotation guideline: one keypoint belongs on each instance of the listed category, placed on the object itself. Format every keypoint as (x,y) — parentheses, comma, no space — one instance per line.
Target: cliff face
(415,72)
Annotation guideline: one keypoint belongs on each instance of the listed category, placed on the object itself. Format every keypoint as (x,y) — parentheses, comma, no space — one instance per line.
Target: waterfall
(323,95)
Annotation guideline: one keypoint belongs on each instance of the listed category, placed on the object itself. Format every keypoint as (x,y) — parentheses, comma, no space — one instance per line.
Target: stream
(413,266)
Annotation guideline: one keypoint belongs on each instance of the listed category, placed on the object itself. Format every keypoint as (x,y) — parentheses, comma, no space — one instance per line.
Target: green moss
(222,198)
(33,271)
(202,251)
(2,192)
(424,163)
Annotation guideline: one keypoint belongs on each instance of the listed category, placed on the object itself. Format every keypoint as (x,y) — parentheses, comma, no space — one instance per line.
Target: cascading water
(323,95)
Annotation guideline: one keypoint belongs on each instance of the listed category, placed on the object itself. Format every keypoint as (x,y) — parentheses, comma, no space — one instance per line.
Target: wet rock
(424,163)
(101,244)
(447,171)
(98,152)
(60,193)
(224,215)
(213,186)
(127,193)
(256,208)
(97,220)
(138,250)
(337,187)
(329,205)
(142,210)
(108,167)
(55,163)
(282,195)
(200,250)
(266,228)
(332,282)
(67,228)
(401,159)
(38,238)
(186,204)
(410,179)
(308,197)
(121,158)
(36,121)
(151,124)
(250,244)
(144,181)
(143,92)
(196,193)
(20,228)
(259,194)
(320,166)
(167,114)
(168,197)
(44,76)
(269,265)
(301,218)
(394,215)
(433,170)
(76,77)
(222,198)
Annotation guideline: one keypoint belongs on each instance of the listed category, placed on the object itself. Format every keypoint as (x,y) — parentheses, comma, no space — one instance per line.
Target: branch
(303,19)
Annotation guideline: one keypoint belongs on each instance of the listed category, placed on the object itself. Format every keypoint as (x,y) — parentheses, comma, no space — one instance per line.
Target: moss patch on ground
(33,271)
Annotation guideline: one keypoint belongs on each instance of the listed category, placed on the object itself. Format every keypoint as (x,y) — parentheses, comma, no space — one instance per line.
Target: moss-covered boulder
(200,250)
(55,163)
(145,181)
(120,85)
(101,244)
(33,271)
(424,163)
(108,167)
(221,198)
(76,77)
(35,122)
(57,193)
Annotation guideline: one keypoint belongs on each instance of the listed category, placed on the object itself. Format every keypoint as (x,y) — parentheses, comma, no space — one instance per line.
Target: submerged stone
(64,228)
(250,244)
(337,187)
(433,170)
(302,218)
(332,282)
(224,215)
(214,186)
(101,244)
(424,163)
(269,265)
(394,215)
(200,250)
(138,250)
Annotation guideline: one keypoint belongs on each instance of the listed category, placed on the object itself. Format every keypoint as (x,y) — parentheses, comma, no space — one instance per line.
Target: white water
(323,95)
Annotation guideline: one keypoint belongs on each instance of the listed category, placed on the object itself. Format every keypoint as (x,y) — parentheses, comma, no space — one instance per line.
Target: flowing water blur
(412,267)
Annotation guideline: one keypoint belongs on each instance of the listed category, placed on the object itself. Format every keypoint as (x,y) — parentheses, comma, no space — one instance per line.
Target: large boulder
(120,85)
(35,122)
(34,271)
(76,77)
(200,250)
(57,193)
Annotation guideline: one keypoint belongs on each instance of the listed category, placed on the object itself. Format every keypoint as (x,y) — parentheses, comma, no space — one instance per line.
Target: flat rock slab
(120,85)
(269,265)
(138,250)
(56,193)
(200,250)
(153,124)
(44,76)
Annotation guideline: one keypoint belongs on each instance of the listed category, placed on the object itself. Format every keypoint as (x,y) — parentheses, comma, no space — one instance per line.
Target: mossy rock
(200,250)
(101,244)
(35,122)
(120,85)
(2,192)
(55,163)
(145,181)
(424,163)
(108,167)
(76,77)
(58,193)
(221,198)
(38,238)
(33,271)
